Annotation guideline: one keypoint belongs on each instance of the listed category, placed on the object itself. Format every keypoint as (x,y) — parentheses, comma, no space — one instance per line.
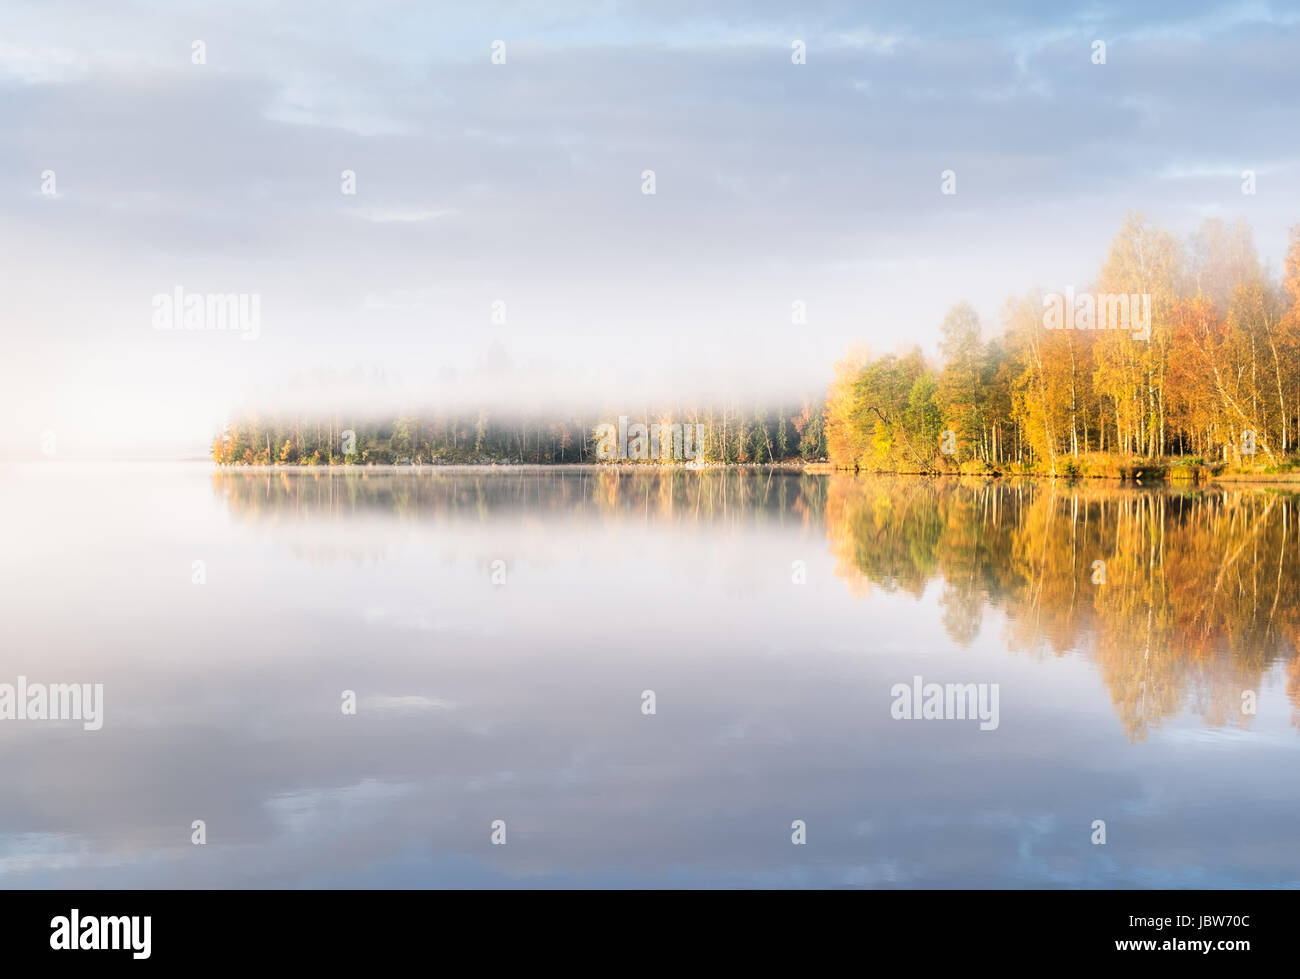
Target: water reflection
(1193,602)
(1194,598)
(499,628)
(479,494)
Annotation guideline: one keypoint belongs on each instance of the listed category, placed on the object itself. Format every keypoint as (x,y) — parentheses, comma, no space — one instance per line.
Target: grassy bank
(1177,469)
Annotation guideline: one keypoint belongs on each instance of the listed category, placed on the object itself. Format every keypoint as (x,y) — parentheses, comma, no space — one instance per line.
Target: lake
(577,677)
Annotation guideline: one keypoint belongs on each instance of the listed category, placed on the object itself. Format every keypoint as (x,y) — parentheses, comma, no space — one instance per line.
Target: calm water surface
(499,628)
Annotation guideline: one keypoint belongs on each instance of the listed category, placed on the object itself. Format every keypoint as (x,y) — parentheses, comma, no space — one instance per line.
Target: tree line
(731,434)
(1215,380)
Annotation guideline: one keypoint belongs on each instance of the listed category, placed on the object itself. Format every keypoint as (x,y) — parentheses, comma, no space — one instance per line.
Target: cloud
(521,183)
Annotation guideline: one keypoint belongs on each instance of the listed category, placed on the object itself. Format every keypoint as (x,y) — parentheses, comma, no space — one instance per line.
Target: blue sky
(521,183)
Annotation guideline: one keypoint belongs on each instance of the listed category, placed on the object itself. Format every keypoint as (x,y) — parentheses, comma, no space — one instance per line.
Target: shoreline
(389,467)
(1161,477)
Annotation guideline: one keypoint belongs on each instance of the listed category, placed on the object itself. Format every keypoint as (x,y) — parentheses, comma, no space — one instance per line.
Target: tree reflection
(1197,603)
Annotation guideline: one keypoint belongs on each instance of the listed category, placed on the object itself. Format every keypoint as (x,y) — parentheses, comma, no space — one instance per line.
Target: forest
(1216,381)
(732,435)
(1212,380)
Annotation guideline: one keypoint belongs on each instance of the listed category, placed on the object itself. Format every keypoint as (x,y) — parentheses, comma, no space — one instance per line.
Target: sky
(500,248)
